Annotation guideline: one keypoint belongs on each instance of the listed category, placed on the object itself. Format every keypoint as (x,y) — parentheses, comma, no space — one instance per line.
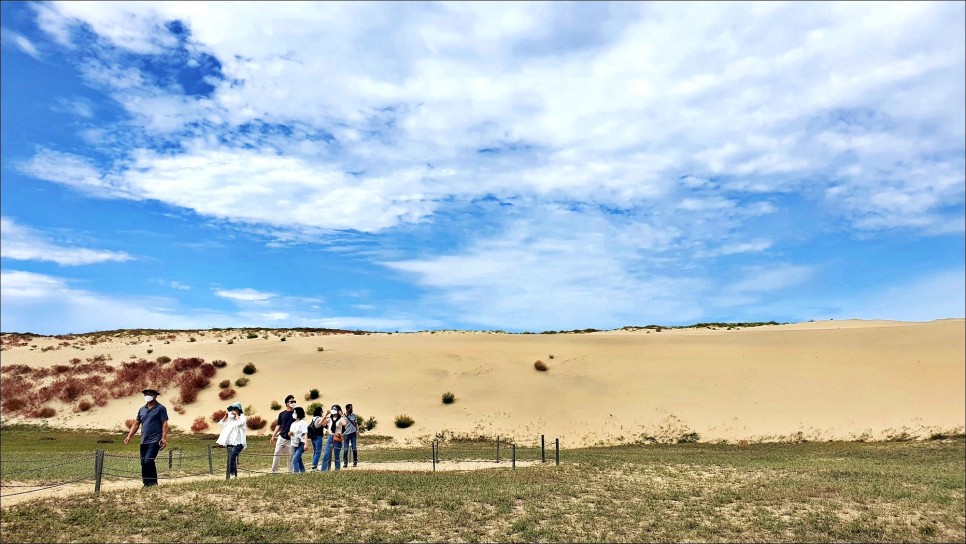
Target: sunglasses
(292,402)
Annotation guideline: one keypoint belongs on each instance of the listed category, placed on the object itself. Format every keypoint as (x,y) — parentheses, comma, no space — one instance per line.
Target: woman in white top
(297,433)
(233,436)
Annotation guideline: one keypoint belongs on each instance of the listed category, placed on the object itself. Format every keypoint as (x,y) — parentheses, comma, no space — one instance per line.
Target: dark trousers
(351,441)
(233,452)
(149,470)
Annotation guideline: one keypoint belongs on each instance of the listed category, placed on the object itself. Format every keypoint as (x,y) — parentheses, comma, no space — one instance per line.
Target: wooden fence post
(497,449)
(558,451)
(543,451)
(211,467)
(98,470)
(514,456)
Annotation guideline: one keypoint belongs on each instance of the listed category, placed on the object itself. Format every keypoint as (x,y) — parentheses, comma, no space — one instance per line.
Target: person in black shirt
(283,444)
(154,436)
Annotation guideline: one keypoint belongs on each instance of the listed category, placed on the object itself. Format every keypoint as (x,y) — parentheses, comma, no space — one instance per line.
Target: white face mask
(334,412)
(148,398)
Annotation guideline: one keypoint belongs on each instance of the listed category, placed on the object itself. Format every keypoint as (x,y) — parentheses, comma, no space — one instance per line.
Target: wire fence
(23,475)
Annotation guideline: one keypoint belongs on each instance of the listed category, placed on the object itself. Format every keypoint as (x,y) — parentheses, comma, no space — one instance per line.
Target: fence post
(558,451)
(543,451)
(98,470)
(227,463)
(514,456)
(434,455)
(211,467)
(170,458)
(498,449)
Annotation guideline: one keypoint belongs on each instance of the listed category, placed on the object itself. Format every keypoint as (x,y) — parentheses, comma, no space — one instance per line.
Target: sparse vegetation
(256,423)
(241,382)
(276,405)
(312,394)
(226,394)
(448,397)
(403,421)
(224,384)
(249,368)
(541,366)
(218,363)
(217,415)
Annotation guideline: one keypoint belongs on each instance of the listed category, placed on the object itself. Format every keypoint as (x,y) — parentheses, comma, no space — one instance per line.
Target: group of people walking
(328,433)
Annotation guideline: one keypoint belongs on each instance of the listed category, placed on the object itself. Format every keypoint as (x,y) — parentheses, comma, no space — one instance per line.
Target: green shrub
(249,368)
(403,421)
(251,335)
(370,424)
(219,363)
(312,394)
(276,405)
(241,382)
(448,397)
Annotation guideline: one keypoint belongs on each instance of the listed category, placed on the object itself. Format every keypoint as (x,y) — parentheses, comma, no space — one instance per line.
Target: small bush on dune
(13,405)
(403,421)
(218,363)
(312,394)
(241,382)
(217,415)
(84,405)
(208,370)
(224,384)
(45,412)
(310,409)
(128,423)
(276,405)
(255,423)
(541,366)
(226,394)
(249,368)
(199,425)
(178,408)
(448,398)
(164,359)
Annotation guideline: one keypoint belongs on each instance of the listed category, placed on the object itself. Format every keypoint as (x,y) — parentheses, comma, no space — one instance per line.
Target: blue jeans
(329,446)
(317,444)
(233,452)
(351,441)
(149,470)
(297,464)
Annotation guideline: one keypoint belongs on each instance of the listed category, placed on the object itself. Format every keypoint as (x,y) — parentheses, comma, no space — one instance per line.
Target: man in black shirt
(154,437)
(285,419)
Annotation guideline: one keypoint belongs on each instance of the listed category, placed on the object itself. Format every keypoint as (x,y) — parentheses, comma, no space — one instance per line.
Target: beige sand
(826,380)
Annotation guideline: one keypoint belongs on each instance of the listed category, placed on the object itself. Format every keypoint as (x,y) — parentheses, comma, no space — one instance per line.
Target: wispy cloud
(19,41)
(26,244)
(246,295)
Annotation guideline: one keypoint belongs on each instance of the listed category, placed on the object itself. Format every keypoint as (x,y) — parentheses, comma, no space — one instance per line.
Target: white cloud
(245,295)
(26,244)
(20,42)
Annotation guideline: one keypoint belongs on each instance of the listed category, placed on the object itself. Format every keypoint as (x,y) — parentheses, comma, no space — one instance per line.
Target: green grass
(816,492)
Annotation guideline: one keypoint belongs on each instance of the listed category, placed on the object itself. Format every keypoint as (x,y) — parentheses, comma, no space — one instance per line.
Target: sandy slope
(834,379)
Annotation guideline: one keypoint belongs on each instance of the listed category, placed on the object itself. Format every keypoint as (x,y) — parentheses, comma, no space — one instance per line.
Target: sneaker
(355,464)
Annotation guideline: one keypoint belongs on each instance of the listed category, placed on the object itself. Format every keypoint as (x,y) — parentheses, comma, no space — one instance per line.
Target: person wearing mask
(297,435)
(336,429)
(281,436)
(351,437)
(232,436)
(154,436)
(318,441)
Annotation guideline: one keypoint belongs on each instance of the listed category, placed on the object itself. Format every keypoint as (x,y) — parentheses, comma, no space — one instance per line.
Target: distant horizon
(586,330)
(524,166)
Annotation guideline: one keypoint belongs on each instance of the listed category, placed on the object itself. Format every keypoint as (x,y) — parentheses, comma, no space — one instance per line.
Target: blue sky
(513,166)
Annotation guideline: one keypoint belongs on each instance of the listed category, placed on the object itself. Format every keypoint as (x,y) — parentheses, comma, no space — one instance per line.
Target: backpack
(313,430)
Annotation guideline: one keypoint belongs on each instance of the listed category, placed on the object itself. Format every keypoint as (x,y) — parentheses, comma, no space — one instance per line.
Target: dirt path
(17,495)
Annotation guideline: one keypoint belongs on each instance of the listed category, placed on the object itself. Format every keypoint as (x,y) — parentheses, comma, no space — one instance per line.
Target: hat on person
(150,392)
(236,406)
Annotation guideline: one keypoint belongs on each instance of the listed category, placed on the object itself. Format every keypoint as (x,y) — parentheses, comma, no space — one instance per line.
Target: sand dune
(825,380)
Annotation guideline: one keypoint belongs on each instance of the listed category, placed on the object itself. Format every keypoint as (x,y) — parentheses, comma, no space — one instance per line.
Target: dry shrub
(128,423)
(217,415)
(224,384)
(199,425)
(45,412)
(226,394)
(178,408)
(218,363)
(256,422)
(13,404)
(188,394)
(84,406)
(249,368)
(208,370)
(541,366)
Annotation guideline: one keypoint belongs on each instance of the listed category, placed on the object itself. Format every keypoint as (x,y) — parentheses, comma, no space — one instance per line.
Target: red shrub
(84,406)
(226,394)
(60,369)
(75,361)
(217,415)
(208,370)
(69,390)
(188,394)
(100,400)
(128,423)
(199,425)
(13,405)
(45,412)
(201,382)
(255,423)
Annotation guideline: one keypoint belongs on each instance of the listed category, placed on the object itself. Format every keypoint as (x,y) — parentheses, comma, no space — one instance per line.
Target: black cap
(151,392)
